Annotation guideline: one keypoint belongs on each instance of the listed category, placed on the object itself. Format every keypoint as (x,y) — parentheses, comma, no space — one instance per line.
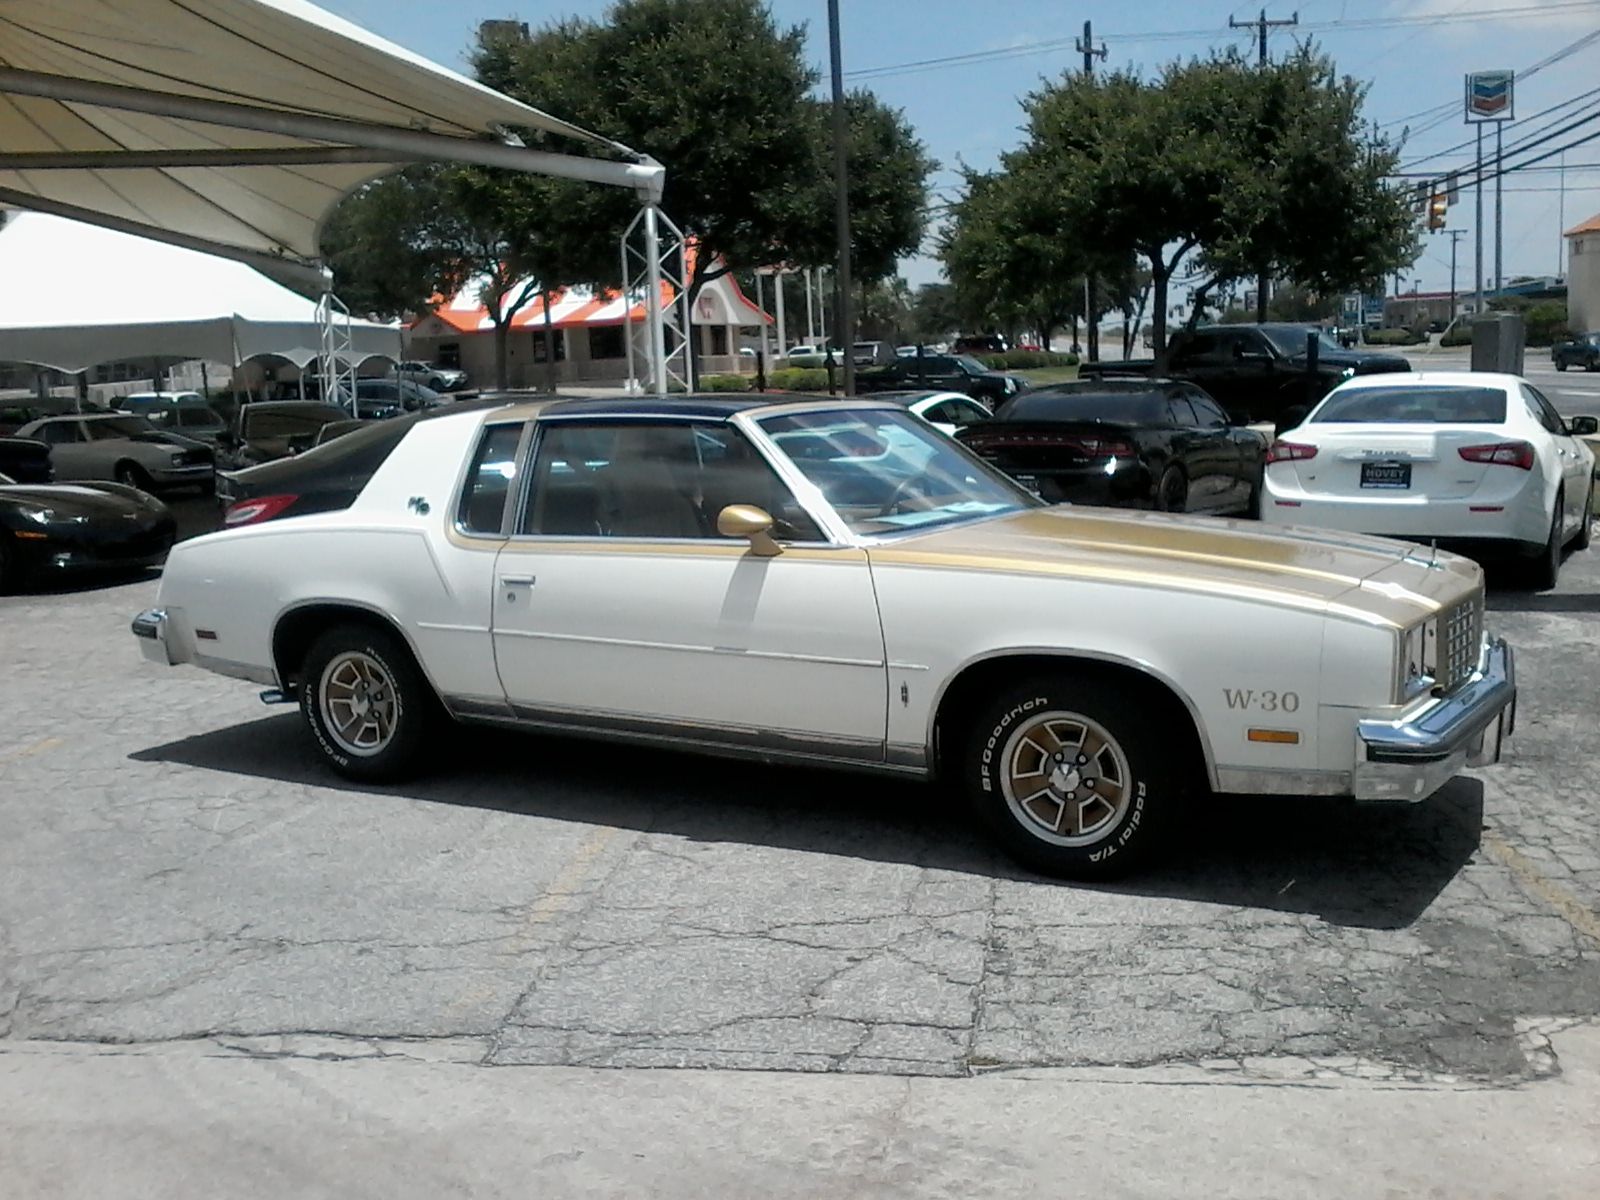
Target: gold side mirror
(748,521)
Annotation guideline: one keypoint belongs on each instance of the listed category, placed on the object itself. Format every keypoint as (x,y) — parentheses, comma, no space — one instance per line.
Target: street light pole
(843,322)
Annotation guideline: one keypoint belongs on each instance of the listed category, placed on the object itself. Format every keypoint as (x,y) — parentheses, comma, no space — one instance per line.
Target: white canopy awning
(80,295)
(235,126)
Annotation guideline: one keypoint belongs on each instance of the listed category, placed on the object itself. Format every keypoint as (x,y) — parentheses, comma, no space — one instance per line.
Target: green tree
(1256,169)
(721,95)
(934,312)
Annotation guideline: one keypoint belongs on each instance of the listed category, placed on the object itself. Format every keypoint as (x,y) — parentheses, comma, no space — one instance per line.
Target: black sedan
(941,372)
(1153,443)
(49,530)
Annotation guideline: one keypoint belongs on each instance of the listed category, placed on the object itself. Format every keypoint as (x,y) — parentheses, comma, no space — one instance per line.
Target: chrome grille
(1458,642)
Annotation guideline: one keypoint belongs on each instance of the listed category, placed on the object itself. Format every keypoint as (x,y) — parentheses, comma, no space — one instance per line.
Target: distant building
(1583,276)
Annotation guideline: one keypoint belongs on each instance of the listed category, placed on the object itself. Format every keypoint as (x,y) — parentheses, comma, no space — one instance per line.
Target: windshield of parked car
(1436,405)
(971,365)
(1291,342)
(110,428)
(885,472)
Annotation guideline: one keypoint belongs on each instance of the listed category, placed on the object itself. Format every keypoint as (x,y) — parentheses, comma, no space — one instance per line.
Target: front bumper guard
(1410,759)
(151,627)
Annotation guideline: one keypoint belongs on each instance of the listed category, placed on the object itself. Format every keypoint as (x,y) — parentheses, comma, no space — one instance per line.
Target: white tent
(80,295)
(235,126)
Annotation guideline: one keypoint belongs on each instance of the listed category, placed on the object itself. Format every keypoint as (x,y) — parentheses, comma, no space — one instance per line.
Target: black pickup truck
(1257,372)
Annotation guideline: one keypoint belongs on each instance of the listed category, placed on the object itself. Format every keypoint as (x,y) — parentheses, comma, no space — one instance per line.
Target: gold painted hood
(1367,578)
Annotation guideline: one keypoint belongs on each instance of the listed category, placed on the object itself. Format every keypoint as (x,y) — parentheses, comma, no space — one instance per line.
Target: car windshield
(886,471)
(1123,407)
(110,428)
(1291,342)
(971,365)
(1414,405)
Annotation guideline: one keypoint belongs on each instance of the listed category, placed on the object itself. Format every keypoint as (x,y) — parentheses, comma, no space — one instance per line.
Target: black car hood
(78,500)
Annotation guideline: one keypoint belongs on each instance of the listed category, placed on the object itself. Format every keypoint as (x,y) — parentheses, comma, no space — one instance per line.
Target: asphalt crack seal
(1566,905)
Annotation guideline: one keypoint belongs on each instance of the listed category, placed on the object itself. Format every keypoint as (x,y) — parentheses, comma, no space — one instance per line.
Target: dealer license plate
(1385,475)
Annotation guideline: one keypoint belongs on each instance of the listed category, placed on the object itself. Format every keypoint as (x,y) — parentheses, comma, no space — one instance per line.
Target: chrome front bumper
(1411,758)
(150,627)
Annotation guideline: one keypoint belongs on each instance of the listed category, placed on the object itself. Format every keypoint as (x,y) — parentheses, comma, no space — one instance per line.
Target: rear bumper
(151,628)
(1520,517)
(1408,759)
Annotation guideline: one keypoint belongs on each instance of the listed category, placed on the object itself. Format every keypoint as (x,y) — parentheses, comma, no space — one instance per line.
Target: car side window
(1198,347)
(668,479)
(1543,411)
(956,412)
(1207,412)
(1182,415)
(490,481)
(60,433)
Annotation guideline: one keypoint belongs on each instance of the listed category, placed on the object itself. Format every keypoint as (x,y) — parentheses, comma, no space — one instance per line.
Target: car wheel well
(968,689)
(296,630)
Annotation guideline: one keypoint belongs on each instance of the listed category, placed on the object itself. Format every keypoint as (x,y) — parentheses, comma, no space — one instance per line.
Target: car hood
(78,501)
(1374,580)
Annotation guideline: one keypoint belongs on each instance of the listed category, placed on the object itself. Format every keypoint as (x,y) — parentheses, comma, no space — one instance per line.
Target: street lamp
(843,322)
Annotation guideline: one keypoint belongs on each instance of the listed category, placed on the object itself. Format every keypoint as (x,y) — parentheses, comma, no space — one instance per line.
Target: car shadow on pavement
(87,581)
(1358,866)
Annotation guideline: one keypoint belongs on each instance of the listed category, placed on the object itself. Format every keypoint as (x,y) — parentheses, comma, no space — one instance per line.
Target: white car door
(70,450)
(1575,465)
(619,608)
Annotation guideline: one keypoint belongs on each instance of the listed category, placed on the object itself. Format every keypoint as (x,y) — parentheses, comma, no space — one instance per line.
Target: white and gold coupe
(833,582)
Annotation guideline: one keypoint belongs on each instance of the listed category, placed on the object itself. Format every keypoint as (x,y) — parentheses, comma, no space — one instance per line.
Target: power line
(1524,12)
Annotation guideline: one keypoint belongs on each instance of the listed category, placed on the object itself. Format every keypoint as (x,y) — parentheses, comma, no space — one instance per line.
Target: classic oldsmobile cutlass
(834,582)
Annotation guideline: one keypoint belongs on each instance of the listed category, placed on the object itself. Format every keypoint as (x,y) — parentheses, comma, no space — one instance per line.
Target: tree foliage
(1255,169)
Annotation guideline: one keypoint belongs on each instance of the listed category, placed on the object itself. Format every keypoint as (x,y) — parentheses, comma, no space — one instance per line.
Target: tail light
(254,511)
(1508,454)
(1281,451)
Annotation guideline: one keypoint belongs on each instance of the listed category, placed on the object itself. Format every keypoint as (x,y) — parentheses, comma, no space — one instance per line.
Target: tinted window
(58,433)
(958,413)
(1125,408)
(117,427)
(489,480)
(198,416)
(1417,405)
(652,480)
(1182,415)
(377,390)
(1543,411)
(288,422)
(970,365)
(1293,341)
(1206,410)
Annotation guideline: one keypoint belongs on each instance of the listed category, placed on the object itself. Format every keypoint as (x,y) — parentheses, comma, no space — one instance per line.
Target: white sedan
(834,583)
(945,411)
(1472,460)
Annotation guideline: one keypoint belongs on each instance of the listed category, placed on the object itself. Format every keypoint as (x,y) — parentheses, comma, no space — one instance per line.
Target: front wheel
(1561,366)
(1070,776)
(371,711)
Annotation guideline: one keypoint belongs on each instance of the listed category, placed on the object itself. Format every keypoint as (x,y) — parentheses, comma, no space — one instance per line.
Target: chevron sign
(1489,95)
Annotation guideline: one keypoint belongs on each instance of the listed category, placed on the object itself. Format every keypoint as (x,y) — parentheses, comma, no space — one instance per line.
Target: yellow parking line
(1568,906)
(572,876)
(49,743)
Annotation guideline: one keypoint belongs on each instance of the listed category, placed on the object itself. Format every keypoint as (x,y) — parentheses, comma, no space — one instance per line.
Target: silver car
(126,448)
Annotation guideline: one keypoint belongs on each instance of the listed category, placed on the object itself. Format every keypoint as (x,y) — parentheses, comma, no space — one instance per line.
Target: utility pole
(1453,234)
(1499,240)
(1477,187)
(843,325)
(1091,289)
(1264,280)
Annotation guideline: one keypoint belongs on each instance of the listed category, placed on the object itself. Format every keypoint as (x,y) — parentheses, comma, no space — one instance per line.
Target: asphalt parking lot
(180,867)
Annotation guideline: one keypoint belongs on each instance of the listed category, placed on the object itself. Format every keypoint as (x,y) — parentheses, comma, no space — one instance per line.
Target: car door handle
(516,580)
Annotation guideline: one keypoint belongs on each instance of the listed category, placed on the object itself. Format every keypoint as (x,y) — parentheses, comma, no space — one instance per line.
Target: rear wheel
(1546,569)
(1172,492)
(1561,365)
(1072,778)
(371,711)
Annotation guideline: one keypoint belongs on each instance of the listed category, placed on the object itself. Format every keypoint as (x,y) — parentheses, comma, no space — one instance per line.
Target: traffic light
(1438,207)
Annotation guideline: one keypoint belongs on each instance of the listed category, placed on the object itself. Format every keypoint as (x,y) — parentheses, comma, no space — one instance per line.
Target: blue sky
(968,112)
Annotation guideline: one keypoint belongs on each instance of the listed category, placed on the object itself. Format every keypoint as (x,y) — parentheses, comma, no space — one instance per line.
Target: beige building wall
(1583,278)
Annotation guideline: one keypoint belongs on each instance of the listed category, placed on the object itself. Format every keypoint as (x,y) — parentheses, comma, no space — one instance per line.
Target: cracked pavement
(179,868)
